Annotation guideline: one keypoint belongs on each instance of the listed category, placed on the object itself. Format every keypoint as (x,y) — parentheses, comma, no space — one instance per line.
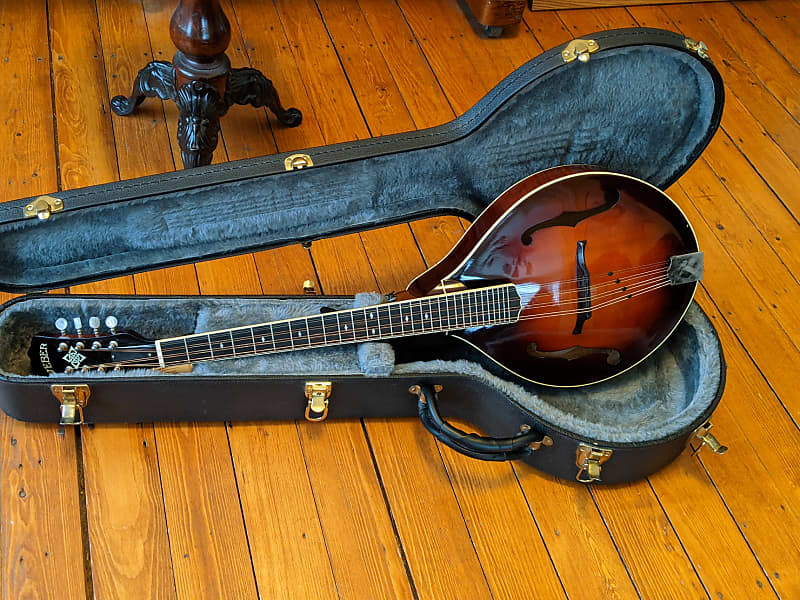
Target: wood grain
(125,513)
(362,546)
(366,515)
(41,543)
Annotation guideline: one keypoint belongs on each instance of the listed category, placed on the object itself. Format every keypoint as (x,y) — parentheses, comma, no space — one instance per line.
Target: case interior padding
(643,110)
(658,398)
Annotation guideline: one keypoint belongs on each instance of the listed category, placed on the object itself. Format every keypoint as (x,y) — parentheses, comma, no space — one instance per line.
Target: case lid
(644,102)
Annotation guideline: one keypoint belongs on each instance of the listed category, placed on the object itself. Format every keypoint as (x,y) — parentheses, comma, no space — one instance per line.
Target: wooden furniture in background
(201,82)
(494,15)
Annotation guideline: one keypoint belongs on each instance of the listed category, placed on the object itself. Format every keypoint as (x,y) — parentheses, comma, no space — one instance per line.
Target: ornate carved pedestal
(201,82)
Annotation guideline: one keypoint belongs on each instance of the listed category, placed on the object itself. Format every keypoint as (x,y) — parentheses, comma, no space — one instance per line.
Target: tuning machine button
(78,325)
(61,325)
(94,323)
(80,346)
(63,347)
(111,323)
(96,345)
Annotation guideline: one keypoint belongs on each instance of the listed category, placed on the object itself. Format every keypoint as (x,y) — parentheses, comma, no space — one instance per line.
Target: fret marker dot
(406,319)
(262,339)
(373,331)
(299,334)
(426,315)
(346,327)
(371,315)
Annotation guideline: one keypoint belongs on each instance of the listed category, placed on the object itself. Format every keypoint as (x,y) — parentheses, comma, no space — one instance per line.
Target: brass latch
(309,289)
(73,398)
(590,460)
(579,49)
(43,207)
(298,161)
(699,47)
(318,394)
(707,438)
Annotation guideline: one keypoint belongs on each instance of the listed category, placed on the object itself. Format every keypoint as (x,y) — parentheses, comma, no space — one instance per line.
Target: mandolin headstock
(91,350)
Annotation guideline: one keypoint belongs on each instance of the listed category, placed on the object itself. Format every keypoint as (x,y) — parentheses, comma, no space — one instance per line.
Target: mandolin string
(147,362)
(311,331)
(421,323)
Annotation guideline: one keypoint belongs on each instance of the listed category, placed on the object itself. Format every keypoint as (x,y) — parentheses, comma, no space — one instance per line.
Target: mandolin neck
(454,311)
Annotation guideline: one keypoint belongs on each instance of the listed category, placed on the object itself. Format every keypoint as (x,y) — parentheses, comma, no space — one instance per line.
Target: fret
(339,327)
(359,324)
(424,315)
(384,311)
(315,331)
(281,336)
(210,347)
(372,322)
(389,311)
(349,326)
(405,316)
(186,346)
(442,326)
(198,348)
(466,317)
(299,333)
(172,352)
(507,303)
(263,338)
(233,344)
(220,344)
(330,328)
(253,337)
(481,308)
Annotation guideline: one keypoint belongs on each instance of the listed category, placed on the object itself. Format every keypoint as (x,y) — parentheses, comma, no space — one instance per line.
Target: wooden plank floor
(376,508)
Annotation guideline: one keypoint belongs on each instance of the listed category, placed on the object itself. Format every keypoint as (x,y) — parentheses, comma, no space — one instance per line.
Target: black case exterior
(171,398)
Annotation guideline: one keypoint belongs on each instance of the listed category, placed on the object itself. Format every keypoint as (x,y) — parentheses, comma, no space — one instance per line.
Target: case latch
(318,394)
(298,161)
(73,399)
(579,49)
(43,207)
(707,439)
(590,461)
(699,47)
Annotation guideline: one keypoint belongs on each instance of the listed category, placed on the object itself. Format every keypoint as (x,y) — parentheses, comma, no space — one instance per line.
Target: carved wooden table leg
(201,82)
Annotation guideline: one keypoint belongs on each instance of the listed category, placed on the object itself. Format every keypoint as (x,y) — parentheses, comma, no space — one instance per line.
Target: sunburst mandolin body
(590,254)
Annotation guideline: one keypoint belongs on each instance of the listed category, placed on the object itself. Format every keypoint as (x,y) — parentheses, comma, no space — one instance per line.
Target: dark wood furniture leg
(494,15)
(201,82)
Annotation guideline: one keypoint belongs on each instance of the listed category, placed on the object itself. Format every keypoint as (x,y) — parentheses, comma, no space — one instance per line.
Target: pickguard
(572,218)
(613,356)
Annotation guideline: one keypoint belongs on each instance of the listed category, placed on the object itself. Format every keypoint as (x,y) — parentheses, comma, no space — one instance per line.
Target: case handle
(472,444)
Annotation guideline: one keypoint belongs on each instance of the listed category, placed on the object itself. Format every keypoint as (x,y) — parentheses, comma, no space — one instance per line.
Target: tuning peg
(61,325)
(111,323)
(78,325)
(94,323)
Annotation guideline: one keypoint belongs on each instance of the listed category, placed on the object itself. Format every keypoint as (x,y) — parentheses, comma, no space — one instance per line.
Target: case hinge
(73,399)
(318,394)
(590,461)
(43,207)
(707,439)
(699,47)
(579,49)
(297,161)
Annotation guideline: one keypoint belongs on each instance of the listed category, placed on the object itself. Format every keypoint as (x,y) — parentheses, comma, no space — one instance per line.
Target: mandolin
(570,277)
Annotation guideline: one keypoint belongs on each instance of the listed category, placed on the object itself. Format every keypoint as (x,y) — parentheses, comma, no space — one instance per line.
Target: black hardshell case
(646,103)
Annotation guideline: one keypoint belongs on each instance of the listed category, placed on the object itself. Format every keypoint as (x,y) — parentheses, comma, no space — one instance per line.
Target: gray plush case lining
(657,399)
(644,110)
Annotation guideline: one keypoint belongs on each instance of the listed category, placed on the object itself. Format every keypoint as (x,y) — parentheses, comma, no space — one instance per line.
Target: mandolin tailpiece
(685,268)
